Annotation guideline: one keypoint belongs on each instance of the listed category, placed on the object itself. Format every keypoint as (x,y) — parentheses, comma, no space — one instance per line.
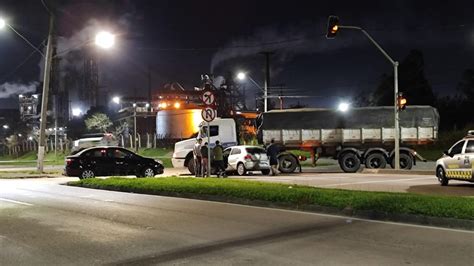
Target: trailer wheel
(349,162)
(406,161)
(287,163)
(375,160)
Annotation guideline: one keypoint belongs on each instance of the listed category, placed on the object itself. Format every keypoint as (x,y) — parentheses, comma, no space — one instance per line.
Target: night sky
(180,40)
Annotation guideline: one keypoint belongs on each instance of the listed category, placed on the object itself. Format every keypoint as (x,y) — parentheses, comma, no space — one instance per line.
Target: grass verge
(294,196)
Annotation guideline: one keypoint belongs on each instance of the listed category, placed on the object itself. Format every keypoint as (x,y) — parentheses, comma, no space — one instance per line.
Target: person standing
(197,157)
(204,160)
(272,153)
(219,159)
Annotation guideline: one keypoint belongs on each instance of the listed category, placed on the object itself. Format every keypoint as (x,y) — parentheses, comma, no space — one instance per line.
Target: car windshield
(255,150)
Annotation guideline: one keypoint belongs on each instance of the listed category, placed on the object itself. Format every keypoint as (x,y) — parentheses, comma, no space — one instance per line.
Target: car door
(98,162)
(454,162)
(125,163)
(234,157)
(467,159)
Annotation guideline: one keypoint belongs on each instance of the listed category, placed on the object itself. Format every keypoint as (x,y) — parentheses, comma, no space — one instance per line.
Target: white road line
(340,217)
(17,202)
(377,181)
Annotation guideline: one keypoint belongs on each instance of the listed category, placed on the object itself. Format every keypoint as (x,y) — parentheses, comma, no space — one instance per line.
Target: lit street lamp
(343,107)
(116,100)
(76,112)
(105,39)
(2,23)
(6,126)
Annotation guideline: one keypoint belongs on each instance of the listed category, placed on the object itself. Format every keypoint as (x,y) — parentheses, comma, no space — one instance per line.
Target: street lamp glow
(116,100)
(343,107)
(241,76)
(6,126)
(177,105)
(76,112)
(3,23)
(105,39)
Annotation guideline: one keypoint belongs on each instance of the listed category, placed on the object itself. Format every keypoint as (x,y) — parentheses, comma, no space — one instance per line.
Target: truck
(360,136)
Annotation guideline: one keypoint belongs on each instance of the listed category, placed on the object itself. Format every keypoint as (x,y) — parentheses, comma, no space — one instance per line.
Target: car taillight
(248,157)
(69,161)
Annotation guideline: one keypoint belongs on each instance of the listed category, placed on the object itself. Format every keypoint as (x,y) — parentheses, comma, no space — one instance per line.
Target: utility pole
(267,79)
(45,94)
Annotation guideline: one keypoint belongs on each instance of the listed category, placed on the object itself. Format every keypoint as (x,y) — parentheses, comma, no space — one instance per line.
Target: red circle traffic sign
(208,97)
(208,114)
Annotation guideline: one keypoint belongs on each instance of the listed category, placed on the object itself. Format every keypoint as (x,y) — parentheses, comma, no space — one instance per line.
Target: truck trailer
(360,136)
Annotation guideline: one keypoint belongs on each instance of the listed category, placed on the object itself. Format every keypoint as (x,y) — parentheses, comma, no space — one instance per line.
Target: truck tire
(349,162)
(191,166)
(287,163)
(406,161)
(375,160)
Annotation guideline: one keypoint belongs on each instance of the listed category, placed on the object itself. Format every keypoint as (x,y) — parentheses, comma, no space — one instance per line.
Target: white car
(458,162)
(242,159)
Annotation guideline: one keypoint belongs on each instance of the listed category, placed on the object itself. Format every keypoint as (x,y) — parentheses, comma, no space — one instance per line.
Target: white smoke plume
(11,89)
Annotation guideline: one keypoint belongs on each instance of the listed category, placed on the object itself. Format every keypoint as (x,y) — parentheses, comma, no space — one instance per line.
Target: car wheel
(241,169)
(375,161)
(148,172)
(442,179)
(406,161)
(266,172)
(349,162)
(88,173)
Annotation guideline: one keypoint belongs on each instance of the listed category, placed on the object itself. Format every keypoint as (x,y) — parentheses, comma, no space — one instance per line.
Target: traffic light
(333,27)
(401,102)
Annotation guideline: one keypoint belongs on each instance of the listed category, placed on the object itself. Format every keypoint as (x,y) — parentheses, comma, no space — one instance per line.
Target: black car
(105,161)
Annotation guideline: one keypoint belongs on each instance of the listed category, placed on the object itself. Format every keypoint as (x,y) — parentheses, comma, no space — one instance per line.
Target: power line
(8,75)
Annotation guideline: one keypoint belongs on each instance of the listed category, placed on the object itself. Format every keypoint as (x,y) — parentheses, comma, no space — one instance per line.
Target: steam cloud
(11,89)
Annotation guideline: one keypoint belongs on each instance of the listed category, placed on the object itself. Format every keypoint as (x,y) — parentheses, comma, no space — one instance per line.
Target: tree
(98,121)
(411,81)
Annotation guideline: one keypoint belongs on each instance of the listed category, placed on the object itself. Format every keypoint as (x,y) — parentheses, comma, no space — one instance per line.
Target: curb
(398,172)
(348,212)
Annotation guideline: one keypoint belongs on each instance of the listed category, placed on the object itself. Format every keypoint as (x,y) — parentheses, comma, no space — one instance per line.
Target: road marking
(17,202)
(376,181)
(346,218)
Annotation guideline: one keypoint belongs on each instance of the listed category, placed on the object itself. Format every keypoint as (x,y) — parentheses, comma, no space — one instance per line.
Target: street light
(2,23)
(105,39)
(76,112)
(241,76)
(116,100)
(6,126)
(343,107)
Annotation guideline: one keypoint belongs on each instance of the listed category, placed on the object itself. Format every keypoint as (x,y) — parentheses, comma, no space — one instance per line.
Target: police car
(458,162)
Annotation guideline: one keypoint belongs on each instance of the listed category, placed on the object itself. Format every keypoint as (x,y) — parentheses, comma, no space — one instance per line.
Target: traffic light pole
(395,88)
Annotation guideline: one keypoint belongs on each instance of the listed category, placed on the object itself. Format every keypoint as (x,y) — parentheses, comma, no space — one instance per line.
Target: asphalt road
(44,223)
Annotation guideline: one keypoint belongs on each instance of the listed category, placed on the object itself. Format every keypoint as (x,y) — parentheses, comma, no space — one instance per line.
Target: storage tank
(177,123)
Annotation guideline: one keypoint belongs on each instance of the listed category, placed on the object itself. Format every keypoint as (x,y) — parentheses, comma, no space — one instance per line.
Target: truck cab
(222,129)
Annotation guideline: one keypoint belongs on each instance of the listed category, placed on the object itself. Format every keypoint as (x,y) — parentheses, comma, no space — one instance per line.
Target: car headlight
(159,161)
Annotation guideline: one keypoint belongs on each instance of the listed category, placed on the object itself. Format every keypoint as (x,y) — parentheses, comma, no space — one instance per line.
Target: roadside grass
(293,195)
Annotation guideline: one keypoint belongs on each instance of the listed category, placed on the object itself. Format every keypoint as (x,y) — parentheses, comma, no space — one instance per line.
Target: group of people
(201,159)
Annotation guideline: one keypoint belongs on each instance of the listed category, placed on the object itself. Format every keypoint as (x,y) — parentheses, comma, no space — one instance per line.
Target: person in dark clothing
(204,160)
(219,159)
(272,153)
(197,157)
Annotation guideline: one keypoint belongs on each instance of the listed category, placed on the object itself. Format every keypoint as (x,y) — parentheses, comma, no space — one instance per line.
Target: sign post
(208,114)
